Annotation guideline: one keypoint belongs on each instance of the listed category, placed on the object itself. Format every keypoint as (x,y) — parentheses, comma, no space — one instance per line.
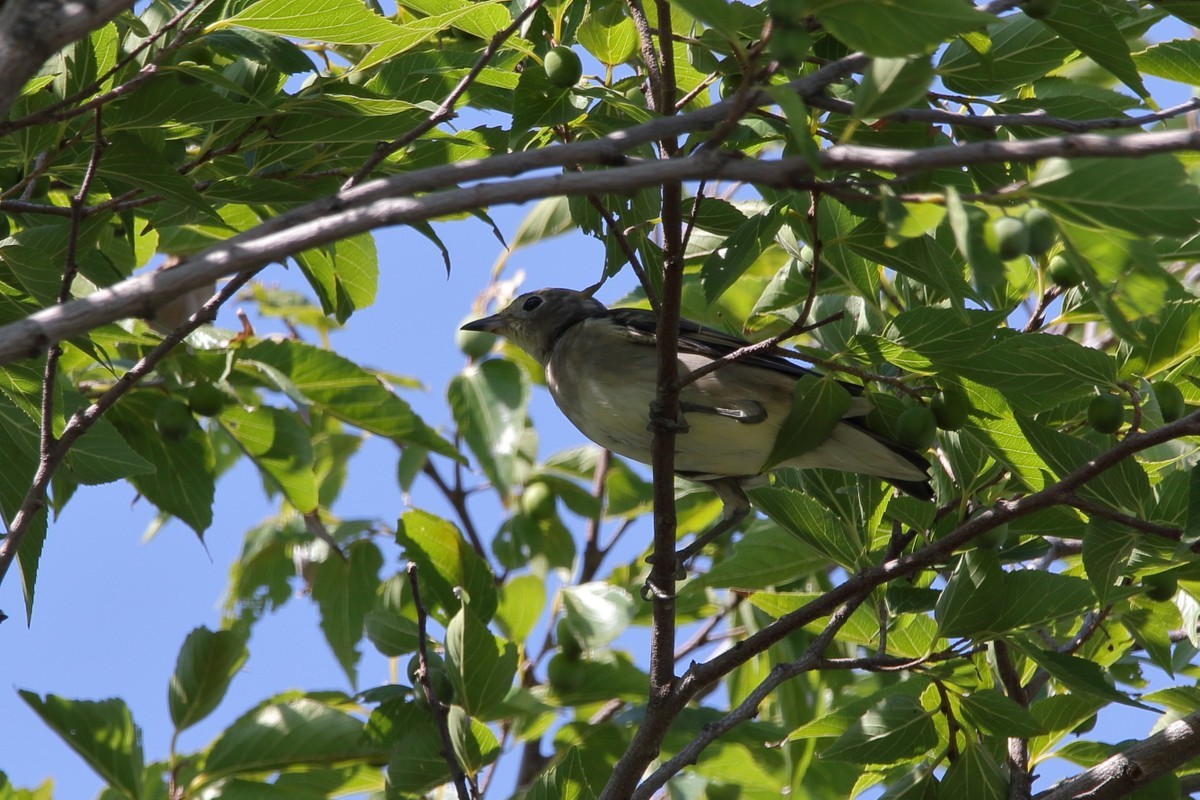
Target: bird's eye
(531,303)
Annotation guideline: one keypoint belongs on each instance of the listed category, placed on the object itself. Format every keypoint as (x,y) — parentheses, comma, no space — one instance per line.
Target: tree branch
(1141,763)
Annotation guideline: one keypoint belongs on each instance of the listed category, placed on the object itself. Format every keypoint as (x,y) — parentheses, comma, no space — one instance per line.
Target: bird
(601,367)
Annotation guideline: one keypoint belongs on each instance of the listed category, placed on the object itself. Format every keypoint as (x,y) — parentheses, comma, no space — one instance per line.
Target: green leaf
(608,34)
(280,445)
(1106,550)
(344,275)
(181,482)
(128,161)
(920,258)
(890,84)
(566,780)
(475,746)
(102,732)
(1123,485)
(102,456)
(281,735)
(1089,26)
(1078,675)
(333,21)
(815,525)
(489,402)
(207,663)
(445,561)
(994,713)
(599,612)
(1020,50)
(724,266)
(345,390)
(818,405)
(1176,60)
(894,729)
(982,601)
(522,599)
(766,555)
(1151,624)
(482,670)
(1144,195)
(392,634)
(417,764)
(975,774)
(1037,372)
(893,28)
(344,592)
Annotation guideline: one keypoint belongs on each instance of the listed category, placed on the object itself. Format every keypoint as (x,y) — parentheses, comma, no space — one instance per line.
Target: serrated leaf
(522,599)
(206,664)
(489,402)
(481,669)
(344,592)
(181,482)
(598,611)
(608,34)
(889,84)
(815,525)
(280,445)
(333,21)
(344,275)
(766,555)
(277,736)
(975,774)
(475,746)
(1176,60)
(566,780)
(1106,550)
(994,713)
(895,28)
(445,562)
(101,732)
(1020,50)
(1089,26)
(1078,675)
(1144,196)
(129,162)
(345,390)
(723,267)
(895,729)
(818,405)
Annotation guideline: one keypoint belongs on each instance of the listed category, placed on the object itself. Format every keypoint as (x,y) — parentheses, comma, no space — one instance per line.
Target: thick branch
(1143,762)
(33,30)
(386,202)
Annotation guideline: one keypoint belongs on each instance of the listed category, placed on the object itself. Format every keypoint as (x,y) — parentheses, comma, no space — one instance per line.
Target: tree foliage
(990,210)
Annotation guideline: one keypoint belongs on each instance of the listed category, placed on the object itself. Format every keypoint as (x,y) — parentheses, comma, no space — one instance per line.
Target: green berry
(916,428)
(1161,586)
(1011,237)
(474,344)
(537,501)
(173,421)
(1170,400)
(1042,231)
(1106,413)
(205,399)
(563,67)
(563,673)
(1063,272)
(950,407)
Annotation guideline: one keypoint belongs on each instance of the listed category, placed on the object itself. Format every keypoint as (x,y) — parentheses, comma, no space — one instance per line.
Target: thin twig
(445,111)
(457,499)
(440,711)
(1128,520)
(81,421)
(593,555)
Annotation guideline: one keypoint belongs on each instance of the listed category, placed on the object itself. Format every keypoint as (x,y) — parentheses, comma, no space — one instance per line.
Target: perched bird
(601,369)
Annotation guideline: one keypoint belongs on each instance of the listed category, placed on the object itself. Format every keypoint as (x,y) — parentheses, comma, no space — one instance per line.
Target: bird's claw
(660,421)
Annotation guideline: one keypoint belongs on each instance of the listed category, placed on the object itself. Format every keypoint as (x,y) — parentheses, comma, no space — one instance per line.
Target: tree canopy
(987,215)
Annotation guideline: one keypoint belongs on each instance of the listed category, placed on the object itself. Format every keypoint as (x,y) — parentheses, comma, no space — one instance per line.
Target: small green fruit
(1161,586)
(563,67)
(790,46)
(1106,413)
(950,407)
(173,421)
(1040,9)
(1170,400)
(636,95)
(474,344)
(1011,237)
(537,501)
(1063,272)
(1042,231)
(205,399)
(916,428)
(439,679)
(567,643)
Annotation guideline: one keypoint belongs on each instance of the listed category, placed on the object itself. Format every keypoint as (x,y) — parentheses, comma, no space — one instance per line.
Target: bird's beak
(492,324)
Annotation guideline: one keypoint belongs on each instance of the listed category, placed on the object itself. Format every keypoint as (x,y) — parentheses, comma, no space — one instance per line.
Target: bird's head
(535,320)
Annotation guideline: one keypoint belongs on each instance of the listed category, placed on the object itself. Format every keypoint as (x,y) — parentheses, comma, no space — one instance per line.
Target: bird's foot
(660,421)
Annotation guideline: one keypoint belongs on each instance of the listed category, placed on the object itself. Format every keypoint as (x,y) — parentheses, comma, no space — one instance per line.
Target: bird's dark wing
(702,340)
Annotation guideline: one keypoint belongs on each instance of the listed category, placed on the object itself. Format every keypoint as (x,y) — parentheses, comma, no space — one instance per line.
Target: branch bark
(33,30)
(1143,762)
